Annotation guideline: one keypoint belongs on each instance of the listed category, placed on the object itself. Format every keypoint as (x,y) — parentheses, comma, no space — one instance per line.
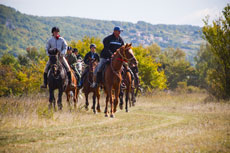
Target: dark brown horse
(74,90)
(127,79)
(112,76)
(57,79)
(87,89)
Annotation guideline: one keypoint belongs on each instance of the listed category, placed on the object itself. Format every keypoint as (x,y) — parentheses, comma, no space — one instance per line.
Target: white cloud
(196,17)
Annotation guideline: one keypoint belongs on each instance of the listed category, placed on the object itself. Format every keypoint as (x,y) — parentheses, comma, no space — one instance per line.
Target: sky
(151,11)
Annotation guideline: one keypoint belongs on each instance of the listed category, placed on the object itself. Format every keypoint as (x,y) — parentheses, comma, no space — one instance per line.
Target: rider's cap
(69,48)
(92,45)
(117,29)
(75,50)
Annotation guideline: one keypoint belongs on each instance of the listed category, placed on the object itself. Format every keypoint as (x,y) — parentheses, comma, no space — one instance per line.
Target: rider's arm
(48,46)
(106,43)
(86,59)
(97,58)
(64,47)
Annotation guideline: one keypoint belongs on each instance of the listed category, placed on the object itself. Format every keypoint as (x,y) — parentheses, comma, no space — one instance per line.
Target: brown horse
(87,89)
(112,76)
(74,90)
(127,79)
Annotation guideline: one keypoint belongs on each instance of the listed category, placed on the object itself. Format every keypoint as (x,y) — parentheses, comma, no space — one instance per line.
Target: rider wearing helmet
(111,44)
(57,43)
(89,56)
(78,56)
(72,61)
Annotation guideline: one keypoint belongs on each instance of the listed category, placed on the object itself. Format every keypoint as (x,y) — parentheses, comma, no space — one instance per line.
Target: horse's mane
(123,47)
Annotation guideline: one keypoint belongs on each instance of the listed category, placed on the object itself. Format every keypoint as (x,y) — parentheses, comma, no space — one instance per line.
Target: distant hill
(18,31)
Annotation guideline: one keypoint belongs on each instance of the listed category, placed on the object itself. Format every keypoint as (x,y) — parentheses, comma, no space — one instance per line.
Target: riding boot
(45,80)
(70,80)
(78,81)
(94,85)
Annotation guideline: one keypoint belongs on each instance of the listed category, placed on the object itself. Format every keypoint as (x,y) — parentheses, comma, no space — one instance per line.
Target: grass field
(158,123)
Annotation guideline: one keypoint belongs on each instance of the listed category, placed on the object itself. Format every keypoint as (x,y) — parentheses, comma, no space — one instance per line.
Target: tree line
(158,69)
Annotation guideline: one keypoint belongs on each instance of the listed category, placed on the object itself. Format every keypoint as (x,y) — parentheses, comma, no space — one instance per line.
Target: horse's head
(127,55)
(53,55)
(54,63)
(92,64)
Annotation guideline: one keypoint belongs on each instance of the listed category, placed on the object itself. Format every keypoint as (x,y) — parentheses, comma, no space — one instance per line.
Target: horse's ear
(130,44)
(126,45)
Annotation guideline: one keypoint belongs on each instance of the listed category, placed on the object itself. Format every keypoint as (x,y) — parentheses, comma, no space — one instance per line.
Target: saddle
(101,73)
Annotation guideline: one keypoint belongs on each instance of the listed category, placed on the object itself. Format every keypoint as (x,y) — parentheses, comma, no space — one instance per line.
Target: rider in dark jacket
(111,44)
(90,55)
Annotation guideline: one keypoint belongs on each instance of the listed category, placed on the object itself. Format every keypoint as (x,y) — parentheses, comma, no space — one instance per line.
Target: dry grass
(159,123)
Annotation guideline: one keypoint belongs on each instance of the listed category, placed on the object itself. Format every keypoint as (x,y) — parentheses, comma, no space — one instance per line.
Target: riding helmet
(92,45)
(55,29)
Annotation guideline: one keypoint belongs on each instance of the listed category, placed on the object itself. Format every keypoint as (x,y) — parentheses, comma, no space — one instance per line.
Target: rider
(89,56)
(135,71)
(56,42)
(72,61)
(78,56)
(111,44)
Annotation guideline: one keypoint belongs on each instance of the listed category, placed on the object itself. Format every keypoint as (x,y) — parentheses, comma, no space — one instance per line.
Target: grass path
(159,123)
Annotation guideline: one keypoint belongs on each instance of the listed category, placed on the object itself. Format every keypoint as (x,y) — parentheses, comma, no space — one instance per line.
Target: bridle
(124,57)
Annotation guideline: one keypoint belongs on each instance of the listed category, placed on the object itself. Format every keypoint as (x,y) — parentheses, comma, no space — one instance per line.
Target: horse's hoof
(94,112)
(112,115)
(127,111)
(121,107)
(106,115)
(98,110)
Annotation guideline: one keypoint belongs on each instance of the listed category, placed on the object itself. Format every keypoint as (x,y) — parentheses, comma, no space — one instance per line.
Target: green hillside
(18,31)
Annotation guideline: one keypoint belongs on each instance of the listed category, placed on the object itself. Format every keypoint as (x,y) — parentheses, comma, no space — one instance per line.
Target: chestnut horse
(87,89)
(112,76)
(74,90)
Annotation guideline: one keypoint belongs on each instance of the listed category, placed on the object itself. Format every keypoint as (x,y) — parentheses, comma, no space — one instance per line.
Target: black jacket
(90,55)
(111,44)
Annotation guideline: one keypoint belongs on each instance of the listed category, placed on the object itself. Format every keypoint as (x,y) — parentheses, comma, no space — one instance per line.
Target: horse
(112,76)
(87,87)
(74,90)
(57,79)
(127,78)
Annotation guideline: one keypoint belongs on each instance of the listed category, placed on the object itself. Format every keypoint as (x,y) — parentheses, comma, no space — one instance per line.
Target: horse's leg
(117,91)
(86,101)
(75,92)
(68,97)
(106,105)
(60,92)
(121,99)
(94,103)
(111,103)
(98,100)
(51,98)
(127,100)
(136,91)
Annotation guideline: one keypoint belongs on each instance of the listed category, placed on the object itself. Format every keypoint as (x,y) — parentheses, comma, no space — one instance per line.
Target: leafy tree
(176,68)
(150,77)
(218,36)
